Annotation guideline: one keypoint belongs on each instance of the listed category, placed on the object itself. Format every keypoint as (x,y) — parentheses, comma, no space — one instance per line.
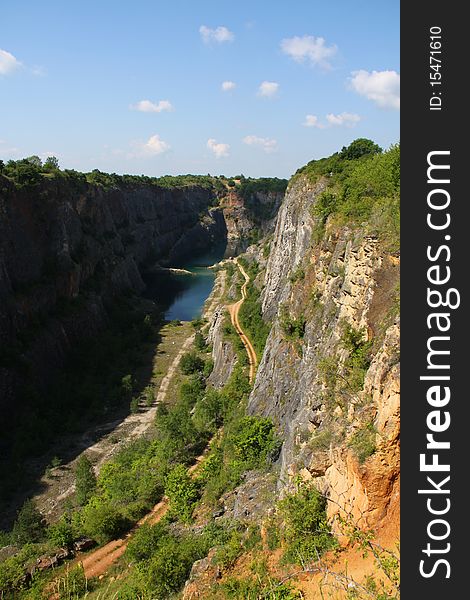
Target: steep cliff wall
(329,375)
(66,250)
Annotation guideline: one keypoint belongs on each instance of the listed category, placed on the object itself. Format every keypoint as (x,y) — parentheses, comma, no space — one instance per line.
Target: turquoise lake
(180,295)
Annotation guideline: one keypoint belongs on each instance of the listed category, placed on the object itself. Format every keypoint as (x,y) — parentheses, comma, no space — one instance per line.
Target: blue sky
(303,78)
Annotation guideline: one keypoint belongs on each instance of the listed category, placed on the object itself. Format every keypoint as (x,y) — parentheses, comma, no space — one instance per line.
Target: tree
(51,164)
(191,363)
(358,148)
(29,525)
(102,521)
(182,492)
(34,160)
(85,480)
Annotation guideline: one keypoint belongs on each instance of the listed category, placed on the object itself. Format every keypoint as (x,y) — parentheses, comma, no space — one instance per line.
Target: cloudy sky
(253,87)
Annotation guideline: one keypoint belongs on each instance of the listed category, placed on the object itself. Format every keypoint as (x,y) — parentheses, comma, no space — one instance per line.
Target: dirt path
(98,562)
(234,309)
(102,442)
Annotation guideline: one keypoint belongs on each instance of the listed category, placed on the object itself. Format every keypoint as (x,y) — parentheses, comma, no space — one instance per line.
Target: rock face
(338,431)
(249,219)
(63,246)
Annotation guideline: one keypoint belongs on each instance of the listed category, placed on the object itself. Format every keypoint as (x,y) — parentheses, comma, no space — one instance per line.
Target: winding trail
(234,309)
(98,562)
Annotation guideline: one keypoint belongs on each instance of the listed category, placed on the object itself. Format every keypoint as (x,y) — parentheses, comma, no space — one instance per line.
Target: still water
(181,295)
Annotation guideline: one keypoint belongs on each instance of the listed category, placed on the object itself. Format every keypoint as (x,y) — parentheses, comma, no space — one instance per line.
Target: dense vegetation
(98,378)
(364,186)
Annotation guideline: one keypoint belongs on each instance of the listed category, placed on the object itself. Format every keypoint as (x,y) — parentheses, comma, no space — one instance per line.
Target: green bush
(191,363)
(182,492)
(200,342)
(252,321)
(61,533)
(293,328)
(102,521)
(29,526)
(306,532)
(363,441)
(254,439)
(163,574)
(85,480)
(358,361)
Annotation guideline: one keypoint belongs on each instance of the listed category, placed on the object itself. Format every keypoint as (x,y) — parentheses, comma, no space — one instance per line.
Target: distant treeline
(32,170)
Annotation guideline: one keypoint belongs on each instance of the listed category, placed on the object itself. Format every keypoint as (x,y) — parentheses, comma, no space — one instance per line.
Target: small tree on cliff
(29,525)
(85,480)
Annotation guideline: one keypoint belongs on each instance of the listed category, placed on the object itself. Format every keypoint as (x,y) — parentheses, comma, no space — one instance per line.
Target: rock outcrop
(330,281)
(66,251)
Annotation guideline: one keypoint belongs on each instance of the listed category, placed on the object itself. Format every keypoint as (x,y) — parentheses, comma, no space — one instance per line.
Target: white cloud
(227,86)
(152,147)
(267,144)
(219,34)
(220,150)
(152,107)
(8,63)
(310,48)
(345,118)
(268,89)
(382,87)
(312,121)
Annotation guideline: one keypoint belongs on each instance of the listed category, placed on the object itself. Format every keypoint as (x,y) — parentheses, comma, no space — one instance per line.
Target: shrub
(182,492)
(168,568)
(359,360)
(228,553)
(293,328)
(29,525)
(191,363)
(85,480)
(102,521)
(61,533)
(252,321)
(306,531)
(363,441)
(200,342)
(254,439)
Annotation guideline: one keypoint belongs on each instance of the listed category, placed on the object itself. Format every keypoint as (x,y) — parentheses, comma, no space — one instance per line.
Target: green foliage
(29,526)
(146,541)
(102,521)
(134,406)
(252,321)
(182,491)
(85,480)
(61,533)
(51,164)
(306,532)
(228,553)
(12,571)
(358,148)
(254,439)
(73,585)
(364,187)
(162,571)
(191,363)
(253,589)
(363,441)
(297,275)
(200,342)
(293,328)
(209,411)
(359,356)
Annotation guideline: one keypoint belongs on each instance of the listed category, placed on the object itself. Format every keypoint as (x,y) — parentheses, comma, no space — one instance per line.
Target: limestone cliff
(339,423)
(67,250)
